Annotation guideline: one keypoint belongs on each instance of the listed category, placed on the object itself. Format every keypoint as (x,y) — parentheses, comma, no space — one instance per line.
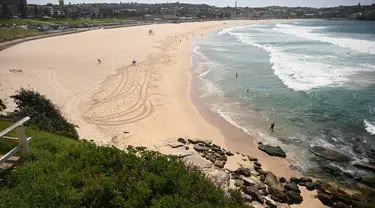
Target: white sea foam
(304,72)
(363,46)
(370,127)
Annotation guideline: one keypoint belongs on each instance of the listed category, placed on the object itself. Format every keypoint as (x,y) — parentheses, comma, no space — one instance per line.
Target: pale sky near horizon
(241,3)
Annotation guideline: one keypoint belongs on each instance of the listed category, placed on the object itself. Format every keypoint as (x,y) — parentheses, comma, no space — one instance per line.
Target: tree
(35,10)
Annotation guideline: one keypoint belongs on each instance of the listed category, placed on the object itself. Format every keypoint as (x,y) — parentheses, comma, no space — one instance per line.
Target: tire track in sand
(128,103)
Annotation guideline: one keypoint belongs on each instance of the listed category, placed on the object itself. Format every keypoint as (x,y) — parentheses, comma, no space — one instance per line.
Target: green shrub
(67,173)
(44,114)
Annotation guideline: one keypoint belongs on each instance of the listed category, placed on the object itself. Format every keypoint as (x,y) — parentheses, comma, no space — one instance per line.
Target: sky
(241,3)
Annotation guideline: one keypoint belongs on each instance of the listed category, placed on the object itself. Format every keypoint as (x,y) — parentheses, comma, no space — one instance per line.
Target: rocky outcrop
(254,193)
(272,181)
(329,154)
(181,140)
(310,186)
(252,159)
(289,186)
(200,148)
(325,198)
(243,171)
(219,164)
(282,180)
(365,166)
(271,150)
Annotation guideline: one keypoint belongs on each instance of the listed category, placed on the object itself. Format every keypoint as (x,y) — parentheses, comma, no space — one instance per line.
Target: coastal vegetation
(63,172)
(44,114)
(70,21)
(7,34)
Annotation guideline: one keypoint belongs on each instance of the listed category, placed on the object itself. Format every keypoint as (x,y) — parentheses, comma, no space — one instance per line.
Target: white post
(22,140)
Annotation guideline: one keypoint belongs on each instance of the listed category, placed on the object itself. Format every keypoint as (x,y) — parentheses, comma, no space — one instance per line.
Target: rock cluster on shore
(261,188)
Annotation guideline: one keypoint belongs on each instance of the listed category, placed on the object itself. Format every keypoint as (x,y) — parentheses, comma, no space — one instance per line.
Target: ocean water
(316,80)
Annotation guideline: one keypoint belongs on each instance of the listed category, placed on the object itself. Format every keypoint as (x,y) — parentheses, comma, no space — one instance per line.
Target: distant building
(23,8)
(61,2)
(10,8)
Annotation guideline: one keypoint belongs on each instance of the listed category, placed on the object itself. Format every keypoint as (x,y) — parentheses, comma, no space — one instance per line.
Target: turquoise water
(316,80)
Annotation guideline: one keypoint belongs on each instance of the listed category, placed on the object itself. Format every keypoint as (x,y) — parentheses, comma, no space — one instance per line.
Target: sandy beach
(115,102)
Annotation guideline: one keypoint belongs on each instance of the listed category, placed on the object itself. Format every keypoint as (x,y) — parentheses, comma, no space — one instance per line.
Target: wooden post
(22,140)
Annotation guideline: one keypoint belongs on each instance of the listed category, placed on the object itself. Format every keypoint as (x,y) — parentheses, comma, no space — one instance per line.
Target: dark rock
(364,166)
(238,183)
(310,186)
(212,159)
(340,205)
(321,185)
(257,164)
(260,170)
(253,192)
(237,153)
(271,150)
(347,174)
(294,198)
(278,195)
(359,197)
(247,181)
(252,158)
(369,181)
(358,178)
(326,199)
(223,157)
(235,176)
(289,186)
(341,194)
(219,164)
(305,179)
(187,148)
(356,204)
(181,140)
(330,169)
(282,180)
(197,141)
(229,153)
(329,154)
(273,182)
(251,182)
(294,180)
(200,148)
(242,155)
(262,178)
(243,171)
(244,159)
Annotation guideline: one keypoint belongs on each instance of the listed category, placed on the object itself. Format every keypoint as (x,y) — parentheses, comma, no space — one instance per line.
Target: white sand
(115,102)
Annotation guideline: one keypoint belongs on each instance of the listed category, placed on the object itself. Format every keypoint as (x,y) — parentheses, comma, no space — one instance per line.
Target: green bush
(44,114)
(63,172)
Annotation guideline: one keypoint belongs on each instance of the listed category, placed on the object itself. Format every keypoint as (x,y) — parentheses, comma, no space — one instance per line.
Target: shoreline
(119,104)
(236,140)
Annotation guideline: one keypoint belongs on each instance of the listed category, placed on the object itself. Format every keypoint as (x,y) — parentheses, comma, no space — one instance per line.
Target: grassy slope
(68,20)
(62,172)
(14,33)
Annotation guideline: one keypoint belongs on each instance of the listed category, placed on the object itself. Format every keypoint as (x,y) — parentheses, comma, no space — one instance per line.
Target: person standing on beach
(236,75)
(272,126)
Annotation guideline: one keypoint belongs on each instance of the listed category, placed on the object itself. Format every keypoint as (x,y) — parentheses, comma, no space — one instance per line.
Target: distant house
(148,17)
